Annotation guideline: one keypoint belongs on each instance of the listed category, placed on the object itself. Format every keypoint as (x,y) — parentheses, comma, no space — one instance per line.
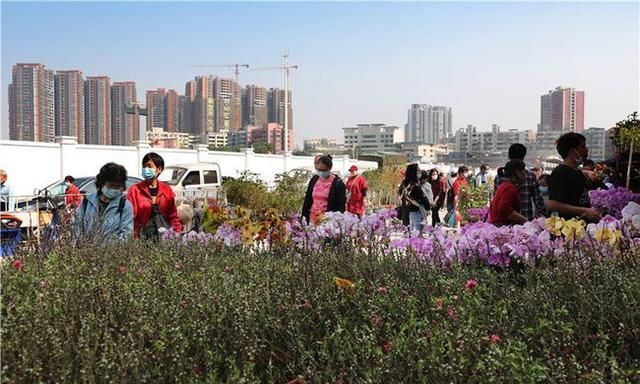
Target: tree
(264,148)
(626,137)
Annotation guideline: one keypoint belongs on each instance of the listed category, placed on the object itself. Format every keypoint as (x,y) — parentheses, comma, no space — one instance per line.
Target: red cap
(353,168)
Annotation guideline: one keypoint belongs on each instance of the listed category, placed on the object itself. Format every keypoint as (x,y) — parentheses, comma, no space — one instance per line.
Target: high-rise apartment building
(254,105)
(125,127)
(428,124)
(599,143)
(32,103)
(69,104)
(156,109)
(171,110)
(562,110)
(275,107)
(97,108)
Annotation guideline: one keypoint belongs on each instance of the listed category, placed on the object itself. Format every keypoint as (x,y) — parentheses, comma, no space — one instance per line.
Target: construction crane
(236,66)
(286,68)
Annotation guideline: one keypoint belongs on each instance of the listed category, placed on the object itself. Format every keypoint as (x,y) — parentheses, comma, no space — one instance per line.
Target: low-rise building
(159,138)
(424,153)
(372,137)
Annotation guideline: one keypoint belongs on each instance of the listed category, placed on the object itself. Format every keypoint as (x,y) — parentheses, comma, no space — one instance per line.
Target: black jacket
(337,197)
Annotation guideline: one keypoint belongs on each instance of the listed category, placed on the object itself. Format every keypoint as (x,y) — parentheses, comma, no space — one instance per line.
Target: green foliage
(228,148)
(383,185)
(264,148)
(250,192)
(626,131)
(159,313)
(473,196)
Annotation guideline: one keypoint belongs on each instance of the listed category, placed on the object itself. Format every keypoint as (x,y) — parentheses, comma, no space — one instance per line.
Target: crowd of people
(519,194)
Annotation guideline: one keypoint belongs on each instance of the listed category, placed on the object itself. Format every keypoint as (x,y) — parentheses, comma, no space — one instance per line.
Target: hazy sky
(359,62)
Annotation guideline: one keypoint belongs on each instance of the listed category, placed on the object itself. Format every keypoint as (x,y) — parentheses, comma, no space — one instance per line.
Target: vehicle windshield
(172,175)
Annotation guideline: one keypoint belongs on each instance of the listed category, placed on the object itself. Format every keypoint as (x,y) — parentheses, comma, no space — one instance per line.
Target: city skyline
(489,66)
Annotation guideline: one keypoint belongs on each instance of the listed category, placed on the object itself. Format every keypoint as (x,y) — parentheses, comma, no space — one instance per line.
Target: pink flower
(470,284)
(494,339)
(17,264)
(227,269)
(452,313)
(44,283)
(306,305)
(382,290)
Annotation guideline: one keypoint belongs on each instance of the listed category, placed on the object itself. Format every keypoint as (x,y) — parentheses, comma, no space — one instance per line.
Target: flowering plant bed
(347,301)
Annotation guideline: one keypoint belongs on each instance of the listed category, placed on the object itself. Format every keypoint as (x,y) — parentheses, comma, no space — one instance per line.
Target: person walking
(72,197)
(505,206)
(7,201)
(482,178)
(326,192)
(357,188)
(154,207)
(567,184)
(414,201)
(105,215)
(531,201)
(439,195)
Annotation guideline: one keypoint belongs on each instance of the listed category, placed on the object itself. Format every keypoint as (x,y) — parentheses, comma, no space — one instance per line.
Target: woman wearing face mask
(505,206)
(151,198)
(326,192)
(438,196)
(106,214)
(73,197)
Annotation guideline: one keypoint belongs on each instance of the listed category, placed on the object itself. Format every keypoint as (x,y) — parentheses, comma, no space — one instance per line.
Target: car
(53,194)
(193,180)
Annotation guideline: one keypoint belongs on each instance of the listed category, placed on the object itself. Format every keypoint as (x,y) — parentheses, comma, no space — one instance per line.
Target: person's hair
(567,142)
(70,179)
(425,175)
(484,167)
(431,172)
(588,163)
(155,158)
(534,169)
(462,170)
(517,151)
(326,160)
(411,174)
(512,166)
(111,172)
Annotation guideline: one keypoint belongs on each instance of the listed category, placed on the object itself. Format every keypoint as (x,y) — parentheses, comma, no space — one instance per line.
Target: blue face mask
(323,174)
(148,173)
(111,193)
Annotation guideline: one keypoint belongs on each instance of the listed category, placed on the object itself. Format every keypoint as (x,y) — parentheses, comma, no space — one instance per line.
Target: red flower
(470,284)
(452,313)
(386,346)
(17,264)
(494,339)
(439,303)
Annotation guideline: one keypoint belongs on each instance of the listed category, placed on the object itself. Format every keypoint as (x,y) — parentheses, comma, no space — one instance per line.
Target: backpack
(155,226)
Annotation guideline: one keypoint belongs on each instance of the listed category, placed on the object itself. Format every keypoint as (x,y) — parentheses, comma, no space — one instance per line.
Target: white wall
(31,165)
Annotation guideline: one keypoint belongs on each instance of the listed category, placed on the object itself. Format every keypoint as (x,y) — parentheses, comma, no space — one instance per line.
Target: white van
(194,180)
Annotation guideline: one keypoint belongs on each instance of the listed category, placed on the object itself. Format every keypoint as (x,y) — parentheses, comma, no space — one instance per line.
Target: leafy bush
(383,185)
(185,312)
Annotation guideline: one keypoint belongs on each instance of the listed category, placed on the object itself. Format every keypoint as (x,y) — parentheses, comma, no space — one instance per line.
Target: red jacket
(73,196)
(357,187)
(140,198)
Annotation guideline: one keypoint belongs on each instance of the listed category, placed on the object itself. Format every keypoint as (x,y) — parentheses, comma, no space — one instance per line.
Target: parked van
(194,180)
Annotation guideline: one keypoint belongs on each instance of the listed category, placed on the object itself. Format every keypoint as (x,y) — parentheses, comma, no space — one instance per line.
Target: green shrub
(156,313)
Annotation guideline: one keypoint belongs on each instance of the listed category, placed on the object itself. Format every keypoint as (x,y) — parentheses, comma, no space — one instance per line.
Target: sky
(358,62)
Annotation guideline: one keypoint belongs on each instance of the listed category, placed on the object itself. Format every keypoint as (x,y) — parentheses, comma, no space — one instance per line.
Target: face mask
(111,193)
(148,173)
(323,174)
(67,184)
(434,177)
